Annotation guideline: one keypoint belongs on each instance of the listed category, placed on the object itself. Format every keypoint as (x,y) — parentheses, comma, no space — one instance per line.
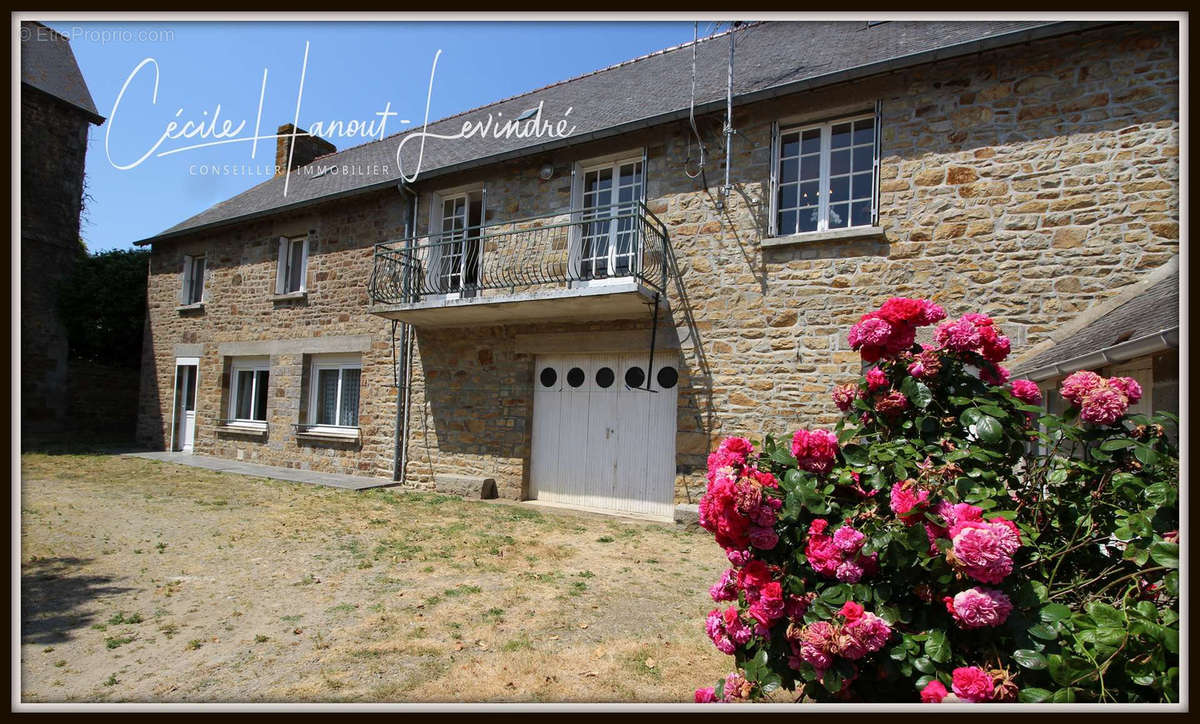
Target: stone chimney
(306,150)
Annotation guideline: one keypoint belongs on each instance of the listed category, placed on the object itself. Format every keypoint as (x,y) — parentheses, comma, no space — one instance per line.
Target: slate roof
(1144,309)
(771,59)
(48,64)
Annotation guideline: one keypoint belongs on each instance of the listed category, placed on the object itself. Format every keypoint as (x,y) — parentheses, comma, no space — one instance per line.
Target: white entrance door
(601,439)
(184,427)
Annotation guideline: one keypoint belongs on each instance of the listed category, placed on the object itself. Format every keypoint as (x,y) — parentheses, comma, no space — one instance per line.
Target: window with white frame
(334,394)
(249,383)
(193,280)
(291,273)
(609,239)
(826,175)
(455,231)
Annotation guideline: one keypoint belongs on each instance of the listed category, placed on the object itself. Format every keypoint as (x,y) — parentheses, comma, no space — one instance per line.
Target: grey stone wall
(53,146)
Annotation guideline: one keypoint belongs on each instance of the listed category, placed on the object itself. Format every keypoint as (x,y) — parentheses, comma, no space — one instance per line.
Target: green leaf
(936,646)
(1105,615)
(1042,631)
(924,665)
(1165,554)
(988,429)
(1145,454)
(1119,443)
(1053,612)
(970,416)
(1029,659)
(1064,696)
(855,455)
(1032,695)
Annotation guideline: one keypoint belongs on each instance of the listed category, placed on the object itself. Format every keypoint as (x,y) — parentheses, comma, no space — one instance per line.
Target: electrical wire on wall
(692,117)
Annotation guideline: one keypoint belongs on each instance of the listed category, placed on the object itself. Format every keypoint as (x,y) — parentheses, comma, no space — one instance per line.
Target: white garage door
(598,440)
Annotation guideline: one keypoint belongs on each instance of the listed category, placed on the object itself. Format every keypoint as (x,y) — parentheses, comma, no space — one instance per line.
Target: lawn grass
(194,585)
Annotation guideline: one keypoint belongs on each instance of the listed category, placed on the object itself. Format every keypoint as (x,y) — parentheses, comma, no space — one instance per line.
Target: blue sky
(354,70)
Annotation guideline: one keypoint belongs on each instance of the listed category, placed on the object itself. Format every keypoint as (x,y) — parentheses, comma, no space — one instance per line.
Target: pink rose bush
(911,552)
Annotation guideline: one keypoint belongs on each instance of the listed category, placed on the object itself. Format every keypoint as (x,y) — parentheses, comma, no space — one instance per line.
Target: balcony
(598,263)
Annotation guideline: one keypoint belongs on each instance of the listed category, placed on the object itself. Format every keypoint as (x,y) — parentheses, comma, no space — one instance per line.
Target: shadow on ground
(56,599)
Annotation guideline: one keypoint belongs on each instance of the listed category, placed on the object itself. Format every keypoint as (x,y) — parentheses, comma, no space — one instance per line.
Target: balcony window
(826,176)
(454,232)
(609,243)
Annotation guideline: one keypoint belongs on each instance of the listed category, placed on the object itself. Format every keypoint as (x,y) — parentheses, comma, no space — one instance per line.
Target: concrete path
(332,480)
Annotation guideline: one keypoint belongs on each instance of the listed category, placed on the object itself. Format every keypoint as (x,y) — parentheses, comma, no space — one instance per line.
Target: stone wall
(1024,183)
(241,317)
(53,146)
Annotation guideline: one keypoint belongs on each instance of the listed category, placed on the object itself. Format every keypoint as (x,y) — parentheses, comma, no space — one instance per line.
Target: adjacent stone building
(580,317)
(56,111)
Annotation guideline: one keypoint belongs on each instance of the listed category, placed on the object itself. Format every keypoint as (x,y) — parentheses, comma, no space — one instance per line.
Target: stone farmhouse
(579,318)
(56,112)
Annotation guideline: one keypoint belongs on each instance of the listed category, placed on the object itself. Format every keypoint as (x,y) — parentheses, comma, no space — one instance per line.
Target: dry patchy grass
(145,581)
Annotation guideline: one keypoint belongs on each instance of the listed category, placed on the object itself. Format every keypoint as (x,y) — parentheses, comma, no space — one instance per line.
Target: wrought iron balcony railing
(512,257)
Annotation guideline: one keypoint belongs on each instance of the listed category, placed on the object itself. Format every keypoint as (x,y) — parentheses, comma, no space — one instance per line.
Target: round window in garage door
(668,377)
(605,377)
(575,377)
(548,377)
(635,376)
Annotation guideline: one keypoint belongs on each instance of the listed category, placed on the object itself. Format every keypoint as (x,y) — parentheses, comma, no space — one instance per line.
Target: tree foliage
(102,304)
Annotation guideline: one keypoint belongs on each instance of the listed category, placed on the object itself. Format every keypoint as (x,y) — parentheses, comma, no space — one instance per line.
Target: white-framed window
(825,175)
(249,385)
(292,271)
(334,392)
(606,238)
(194,271)
(455,254)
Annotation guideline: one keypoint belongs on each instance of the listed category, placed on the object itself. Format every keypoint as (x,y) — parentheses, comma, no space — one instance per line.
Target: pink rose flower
(891,404)
(971,683)
(848,539)
(848,572)
(984,550)
(706,695)
(979,607)
(930,314)
(908,501)
(1078,384)
(933,693)
(815,450)
(872,331)
(1129,386)
(867,633)
(876,379)
(763,538)
(851,610)
(1026,391)
(959,336)
(726,588)
(844,396)
(1103,405)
